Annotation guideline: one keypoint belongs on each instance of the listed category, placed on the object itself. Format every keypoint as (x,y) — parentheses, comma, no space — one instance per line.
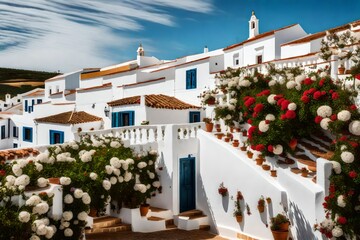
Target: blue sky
(67,35)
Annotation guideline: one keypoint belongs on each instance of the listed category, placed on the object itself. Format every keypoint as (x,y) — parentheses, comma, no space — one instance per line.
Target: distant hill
(16,81)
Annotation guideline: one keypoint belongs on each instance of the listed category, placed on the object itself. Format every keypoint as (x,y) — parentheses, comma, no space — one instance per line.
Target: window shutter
(31,134)
(51,137)
(131,118)
(26,106)
(194,78)
(113,119)
(62,137)
(188,79)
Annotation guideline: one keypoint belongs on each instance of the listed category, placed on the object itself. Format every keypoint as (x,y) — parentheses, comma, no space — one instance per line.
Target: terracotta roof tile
(155,101)
(262,35)
(18,153)
(107,72)
(39,92)
(70,118)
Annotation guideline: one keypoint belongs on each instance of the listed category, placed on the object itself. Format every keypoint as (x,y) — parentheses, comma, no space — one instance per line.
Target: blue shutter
(26,106)
(113,119)
(62,137)
(32,102)
(31,134)
(131,118)
(194,117)
(188,79)
(39,101)
(51,133)
(120,119)
(193,79)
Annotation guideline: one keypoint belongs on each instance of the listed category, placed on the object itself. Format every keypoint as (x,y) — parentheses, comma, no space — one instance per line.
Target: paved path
(175,234)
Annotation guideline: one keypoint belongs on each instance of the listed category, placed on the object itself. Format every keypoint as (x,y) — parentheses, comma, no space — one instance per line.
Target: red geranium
(263,93)
(321,82)
(270,148)
(352,174)
(260,147)
(249,121)
(283,117)
(318,119)
(305,99)
(308,81)
(342,220)
(290,114)
(354,144)
(277,97)
(2,173)
(334,95)
(258,107)
(343,138)
(250,101)
(353,107)
(317,95)
(357,76)
(333,117)
(285,104)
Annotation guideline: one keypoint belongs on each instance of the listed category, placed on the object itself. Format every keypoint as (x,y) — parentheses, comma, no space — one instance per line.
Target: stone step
(107,221)
(156,209)
(152,218)
(204,227)
(116,228)
(196,216)
(191,213)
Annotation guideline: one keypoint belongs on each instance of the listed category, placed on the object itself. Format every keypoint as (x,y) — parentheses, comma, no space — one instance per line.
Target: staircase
(191,220)
(108,224)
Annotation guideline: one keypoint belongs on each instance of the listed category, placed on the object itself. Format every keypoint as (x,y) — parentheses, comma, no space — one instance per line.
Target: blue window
(31,109)
(2,131)
(27,134)
(194,117)
(26,106)
(191,79)
(32,102)
(39,101)
(122,119)
(56,137)
(15,132)
(15,145)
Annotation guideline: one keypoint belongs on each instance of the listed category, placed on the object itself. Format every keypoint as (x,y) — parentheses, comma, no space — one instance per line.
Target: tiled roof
(94,88)
(155,101)
(262,35)
(17,153)
(181,64)
(144,82)
(70,118)
(111,71)
(306,38)
(39,92)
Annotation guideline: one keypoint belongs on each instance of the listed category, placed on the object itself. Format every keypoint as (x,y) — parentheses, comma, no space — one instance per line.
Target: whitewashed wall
(52,84)
(229,57)
(252,49)
(287,35)
(168,116)
(7,142)
(47,109)
(295,50)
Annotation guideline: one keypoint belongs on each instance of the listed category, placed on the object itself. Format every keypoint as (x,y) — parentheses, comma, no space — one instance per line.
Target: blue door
(187,184)
(56,137)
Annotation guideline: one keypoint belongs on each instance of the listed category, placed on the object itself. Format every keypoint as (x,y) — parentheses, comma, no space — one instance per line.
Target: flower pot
(259,161)
(341,70)
(304,174)
(293,144)
(93,212)
(218,129)
(219,135)
(284,226)
(239,218)
(273,173)
(243,148)
(266,167)
(235,143)
(280,235)
(210,101)
(261,208)
(268,200)
(227,139)
(244,133)
(144,209)
(249,154)
(54,180)
(209,127)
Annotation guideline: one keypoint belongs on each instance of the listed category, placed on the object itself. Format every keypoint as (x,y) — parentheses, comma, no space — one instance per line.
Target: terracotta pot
(235,144)
(261,208)
(219,135)
(244,133)
(209,127)
(54,180)
(218,129)
(144,209)
(268,200)
(227,139)
(280,235)
(273,173)
(266,167)
(93,212)
(304,174)
(243,148)
(284,226)
(239,218)
(250,154)
(259,161)
(341,70)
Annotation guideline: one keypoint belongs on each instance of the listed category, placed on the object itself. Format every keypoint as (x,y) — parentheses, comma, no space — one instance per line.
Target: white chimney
(206,50)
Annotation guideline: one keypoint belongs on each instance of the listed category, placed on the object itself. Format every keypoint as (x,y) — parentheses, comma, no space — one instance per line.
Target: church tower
(140,51)
(253,26)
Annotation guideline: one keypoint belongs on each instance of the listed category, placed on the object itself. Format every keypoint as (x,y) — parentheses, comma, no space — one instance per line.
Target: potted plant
(219,135)
(261,204)
(304,172)
(235,143)
(268,200)
(237,211)
(259,161)
(279,226)
(266,167)
(218,127)
(144,209)
(145,122)
(243,148)
(273,173)
(209,124)
(223,191)
(244,133)
(341,69)
(249,154)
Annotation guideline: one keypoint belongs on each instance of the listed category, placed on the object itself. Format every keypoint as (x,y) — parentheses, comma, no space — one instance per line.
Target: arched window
(252,25)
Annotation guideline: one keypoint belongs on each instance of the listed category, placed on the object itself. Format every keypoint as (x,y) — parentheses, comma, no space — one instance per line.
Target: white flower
(34,237)
(324,123)
(65,180)
(278,149)
(343,147)
(271,99)
(68,232)
(23,180)
(290,84)
(263,127)
(244,83)
(347,157)
(82,216)
(41,208)
(39,167)
(86,157)
(140,187)
(151,162)
(33,200)
(41,230)
(272,83)
(323,74)
(141,165)
(127,176)
(115,144)
(337,232)
(116,171)
(42,182)
(299,79)
(341,201)
(120,179)
(115,162)
(78,193)
(50,231)
(336,167)
(324,111)
(10,180)
(108,169)
(113,180)
(16,168)
(292,106)
(86,199)
(93,176)
(156,184)
(67,215)
(24,216)
(344,115)
(68,199)
(151,175)
(153,152)
(106,185)
(354,127)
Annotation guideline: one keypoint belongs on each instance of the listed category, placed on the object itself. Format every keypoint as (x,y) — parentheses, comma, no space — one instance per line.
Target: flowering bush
(223,191)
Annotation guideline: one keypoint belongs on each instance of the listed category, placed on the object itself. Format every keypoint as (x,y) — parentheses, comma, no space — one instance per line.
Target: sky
(67,35)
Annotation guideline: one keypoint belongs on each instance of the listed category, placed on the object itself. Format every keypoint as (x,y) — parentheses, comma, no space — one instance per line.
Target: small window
(15,132)
(39,101)
(50,91)
(26,106)
(194,117)
(3,132)
(27,134)
(252,25)
(15,145)
(5,105)
(259,59)
(122,119)
(236,62)
(191,79)
(56,137)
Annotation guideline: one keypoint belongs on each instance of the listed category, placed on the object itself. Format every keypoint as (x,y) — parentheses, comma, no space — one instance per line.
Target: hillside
(15,81)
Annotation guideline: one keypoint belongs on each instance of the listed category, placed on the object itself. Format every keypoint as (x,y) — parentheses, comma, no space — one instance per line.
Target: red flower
(332,188)
(342,220)
(321,82)
(250,101)
(343,138)
(249,121)
(305,99)
(333,117)
(308,81)
(277,97)
(334,95)
(284,104)
(325,205)
(260,147)
(317,95)
(279,102)
(2,173)
(245,114)
(326,198)
(267,121)
(293,142)
(323,93)
(311,90)
(283,117)
(270,148)
(290,114)
(357,76)
(254,115)
(351,192)
(353,107)
(265,92)
(353,144)
(352,174)
(251,131)
(258,107)
(318,119)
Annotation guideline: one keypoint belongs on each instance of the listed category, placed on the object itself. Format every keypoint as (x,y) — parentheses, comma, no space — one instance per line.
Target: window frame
(191,79)
(52,136)
(3,132)
(117,118)
(31,134)
(192,114)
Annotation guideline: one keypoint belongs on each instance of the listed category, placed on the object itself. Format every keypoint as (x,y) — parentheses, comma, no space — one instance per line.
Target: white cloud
(53,34)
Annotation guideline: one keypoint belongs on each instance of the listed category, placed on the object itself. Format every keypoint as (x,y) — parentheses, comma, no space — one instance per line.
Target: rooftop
(70,118)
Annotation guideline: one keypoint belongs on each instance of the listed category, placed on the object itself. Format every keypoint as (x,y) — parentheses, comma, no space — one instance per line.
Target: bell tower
(253,26)
(140,51)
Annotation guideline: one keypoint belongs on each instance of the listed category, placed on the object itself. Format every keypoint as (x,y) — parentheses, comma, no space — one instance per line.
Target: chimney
(206,50)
